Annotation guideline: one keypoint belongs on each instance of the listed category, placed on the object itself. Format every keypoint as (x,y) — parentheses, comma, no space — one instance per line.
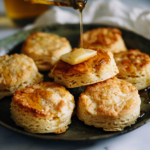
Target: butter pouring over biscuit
(78,56)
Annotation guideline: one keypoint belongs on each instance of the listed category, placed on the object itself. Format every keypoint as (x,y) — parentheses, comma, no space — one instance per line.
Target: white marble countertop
(138,139)
(135,140)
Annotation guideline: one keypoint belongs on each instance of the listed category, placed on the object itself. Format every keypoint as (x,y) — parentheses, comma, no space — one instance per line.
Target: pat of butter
(78,56)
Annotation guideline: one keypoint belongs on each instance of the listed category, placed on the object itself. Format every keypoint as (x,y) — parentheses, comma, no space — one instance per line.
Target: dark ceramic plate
(77,131)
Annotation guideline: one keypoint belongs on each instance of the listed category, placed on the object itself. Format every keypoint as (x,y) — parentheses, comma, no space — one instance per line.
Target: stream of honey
(76,4)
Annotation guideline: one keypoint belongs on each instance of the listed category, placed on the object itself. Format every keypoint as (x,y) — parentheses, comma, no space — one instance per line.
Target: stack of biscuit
(109,101)
(44,107)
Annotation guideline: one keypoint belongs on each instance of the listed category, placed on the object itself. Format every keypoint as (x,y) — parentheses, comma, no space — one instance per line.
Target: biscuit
(43,108)
(45,49)
(98,68)
(134,67)
(112,105)
(105,38)
(16,72)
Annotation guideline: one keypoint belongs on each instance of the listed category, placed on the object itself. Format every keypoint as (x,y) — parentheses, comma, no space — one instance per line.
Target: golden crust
(45,49)
(17,71)
(91,65)
(48,105)
(131,61)
(134,67)
(110,100)
(107,38)
(61,130)
(88,72)
(102,93)
(30,97)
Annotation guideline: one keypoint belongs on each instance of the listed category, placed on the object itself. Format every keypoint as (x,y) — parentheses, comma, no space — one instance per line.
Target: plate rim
(40,136)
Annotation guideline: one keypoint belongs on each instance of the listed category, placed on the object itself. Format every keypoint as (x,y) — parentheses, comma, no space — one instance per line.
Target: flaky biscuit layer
(17,71)
(112,105)
(106,38)
(98,68)
(45,49)
(134,67)
(43,108)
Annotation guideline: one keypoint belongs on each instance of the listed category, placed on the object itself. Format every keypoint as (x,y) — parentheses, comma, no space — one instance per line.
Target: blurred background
(10,24)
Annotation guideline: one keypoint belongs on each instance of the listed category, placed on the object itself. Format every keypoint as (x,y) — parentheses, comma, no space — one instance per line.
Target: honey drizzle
(34,99)
(81,30)
(80,4)
(129,104)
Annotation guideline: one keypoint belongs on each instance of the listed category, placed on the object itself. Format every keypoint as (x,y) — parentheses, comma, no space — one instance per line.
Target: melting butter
(78,56)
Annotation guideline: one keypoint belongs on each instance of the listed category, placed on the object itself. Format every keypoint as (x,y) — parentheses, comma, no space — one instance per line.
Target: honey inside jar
(22,12)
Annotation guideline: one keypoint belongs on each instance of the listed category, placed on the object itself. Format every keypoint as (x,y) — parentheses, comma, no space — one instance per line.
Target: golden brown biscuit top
(103,36)
(112,97)
(91,65)
(131,61)
(15,68)
(45,98)
(43,43)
